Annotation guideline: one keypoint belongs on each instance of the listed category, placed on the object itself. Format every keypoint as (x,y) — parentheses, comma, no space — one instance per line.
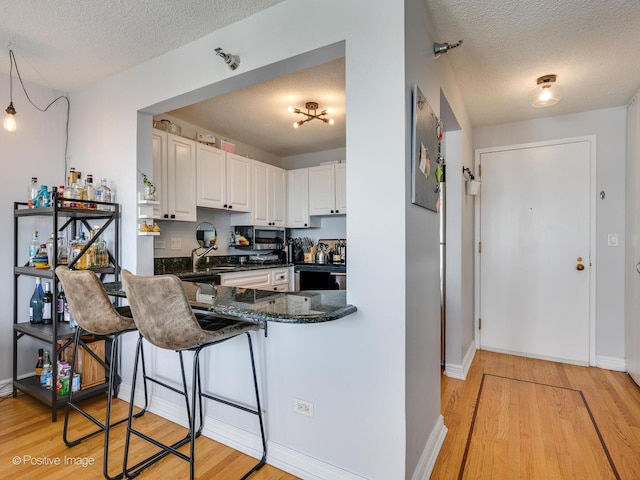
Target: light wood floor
(26,431)
(521,418)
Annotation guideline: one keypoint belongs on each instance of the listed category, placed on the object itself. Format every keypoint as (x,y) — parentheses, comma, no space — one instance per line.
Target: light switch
(176,243)
(612,240)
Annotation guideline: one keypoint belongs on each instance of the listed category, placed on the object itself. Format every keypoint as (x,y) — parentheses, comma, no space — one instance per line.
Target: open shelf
(31,386)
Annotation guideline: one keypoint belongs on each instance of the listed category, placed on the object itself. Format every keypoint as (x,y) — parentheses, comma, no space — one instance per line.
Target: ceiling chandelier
(311,114)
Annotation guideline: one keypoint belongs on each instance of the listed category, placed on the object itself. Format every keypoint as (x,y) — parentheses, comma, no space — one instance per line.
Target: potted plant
(149,187)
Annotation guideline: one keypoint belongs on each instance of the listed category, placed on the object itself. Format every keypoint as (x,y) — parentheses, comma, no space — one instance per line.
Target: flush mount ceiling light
(547,92)
(232,60)
(311,114)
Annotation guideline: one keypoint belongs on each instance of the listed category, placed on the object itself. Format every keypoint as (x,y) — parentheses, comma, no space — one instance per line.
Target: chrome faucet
(198,257)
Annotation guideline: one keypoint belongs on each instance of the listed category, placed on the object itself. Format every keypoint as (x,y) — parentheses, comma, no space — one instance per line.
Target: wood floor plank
(535,447)
(27,434)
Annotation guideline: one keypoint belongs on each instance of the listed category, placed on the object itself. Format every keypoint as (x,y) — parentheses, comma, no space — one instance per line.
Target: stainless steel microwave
(258,238)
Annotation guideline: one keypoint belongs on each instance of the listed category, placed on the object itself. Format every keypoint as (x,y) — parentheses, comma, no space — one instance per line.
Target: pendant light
(546,93)
(10,124)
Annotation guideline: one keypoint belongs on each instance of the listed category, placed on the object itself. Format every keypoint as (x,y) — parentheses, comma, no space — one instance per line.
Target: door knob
(580,267)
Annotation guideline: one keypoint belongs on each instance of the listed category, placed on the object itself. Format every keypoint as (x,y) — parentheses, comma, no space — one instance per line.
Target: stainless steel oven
(314,279)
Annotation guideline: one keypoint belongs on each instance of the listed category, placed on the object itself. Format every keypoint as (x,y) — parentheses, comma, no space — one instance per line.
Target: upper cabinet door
(341,187)
(159,175)
(278,196)
(322,190)
(238,183)
(260,211)
(298,198)
(211,168)
(181,178)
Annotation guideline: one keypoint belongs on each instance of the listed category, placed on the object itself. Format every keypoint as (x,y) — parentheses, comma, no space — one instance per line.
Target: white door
(535,250)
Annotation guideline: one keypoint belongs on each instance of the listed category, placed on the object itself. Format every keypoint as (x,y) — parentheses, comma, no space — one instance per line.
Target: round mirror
(206,235)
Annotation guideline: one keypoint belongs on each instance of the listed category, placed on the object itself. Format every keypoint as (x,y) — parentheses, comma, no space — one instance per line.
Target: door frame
(591,139)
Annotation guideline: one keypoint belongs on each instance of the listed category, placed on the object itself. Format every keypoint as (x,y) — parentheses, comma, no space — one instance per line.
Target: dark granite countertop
(320,267)
(261,305)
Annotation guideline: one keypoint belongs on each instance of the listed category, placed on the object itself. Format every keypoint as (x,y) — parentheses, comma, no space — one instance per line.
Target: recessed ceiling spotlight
(546,93)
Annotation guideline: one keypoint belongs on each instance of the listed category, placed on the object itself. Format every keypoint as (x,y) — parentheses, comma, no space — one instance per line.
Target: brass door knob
(580,267)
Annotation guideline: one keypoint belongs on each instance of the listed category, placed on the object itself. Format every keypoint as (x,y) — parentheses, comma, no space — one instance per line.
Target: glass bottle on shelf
(89,192)
(100,250)
(47,305)
(33,247)
(63,251)
(36,304)
(80,242)
(46,375)
(39,363)
(50,243)
(103,194)
(61,301)
(32,192)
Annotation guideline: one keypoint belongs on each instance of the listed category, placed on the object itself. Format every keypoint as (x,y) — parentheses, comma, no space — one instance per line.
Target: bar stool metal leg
(195,415)
(113,382)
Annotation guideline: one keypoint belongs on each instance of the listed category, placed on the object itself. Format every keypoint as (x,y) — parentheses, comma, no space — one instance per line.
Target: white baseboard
(279,456)
(6,384)
(431,450)
(611,363)
(460,371)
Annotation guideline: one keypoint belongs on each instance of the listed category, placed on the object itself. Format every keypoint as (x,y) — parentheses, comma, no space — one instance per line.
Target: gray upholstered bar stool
(95,314)
(164,318)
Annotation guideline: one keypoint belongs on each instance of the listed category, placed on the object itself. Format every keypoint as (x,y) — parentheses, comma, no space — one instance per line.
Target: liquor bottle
(32,192)
(90,192)
(79,244)
(35,305)
(60,303)
(63,251)
(50,244)
(47,305)
(103,194)
(46,375)
(101,252)
(33,247)
(343,252)
(39,363)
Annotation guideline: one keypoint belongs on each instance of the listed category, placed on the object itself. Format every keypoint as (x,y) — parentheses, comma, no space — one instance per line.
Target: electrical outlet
(303,407)
(159,244)
(176,243)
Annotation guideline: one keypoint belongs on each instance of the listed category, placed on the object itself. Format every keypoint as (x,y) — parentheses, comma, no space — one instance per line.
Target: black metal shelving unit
(62,219)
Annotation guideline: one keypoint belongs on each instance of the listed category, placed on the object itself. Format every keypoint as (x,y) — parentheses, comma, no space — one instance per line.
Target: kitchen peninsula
(260,305)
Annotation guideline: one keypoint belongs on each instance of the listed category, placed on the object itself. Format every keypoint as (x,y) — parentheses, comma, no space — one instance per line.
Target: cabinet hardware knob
(225,205)
(166,215)
(331,211)
(305,225)
(230,206)
(173,215)
(337,211)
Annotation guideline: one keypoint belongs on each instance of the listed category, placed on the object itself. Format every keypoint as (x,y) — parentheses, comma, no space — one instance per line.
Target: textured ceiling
(258,114)
(592,45)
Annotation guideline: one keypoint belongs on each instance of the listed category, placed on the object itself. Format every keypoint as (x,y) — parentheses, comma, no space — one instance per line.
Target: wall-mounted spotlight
(440,48)
(232,60)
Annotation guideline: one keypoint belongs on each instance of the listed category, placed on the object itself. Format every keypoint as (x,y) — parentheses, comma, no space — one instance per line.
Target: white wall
(35,149)
(422,256)
(313,159)
(335,365)
(609,126)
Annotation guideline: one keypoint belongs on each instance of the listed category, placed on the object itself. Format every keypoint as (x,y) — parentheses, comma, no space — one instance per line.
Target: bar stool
(165,319)
(95,314)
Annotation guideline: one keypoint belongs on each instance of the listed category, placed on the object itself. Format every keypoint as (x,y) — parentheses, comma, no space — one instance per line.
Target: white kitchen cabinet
(269,194)
(327,189)
(632,246)
(223,179)
(174,174)
(273,279)
(298,200)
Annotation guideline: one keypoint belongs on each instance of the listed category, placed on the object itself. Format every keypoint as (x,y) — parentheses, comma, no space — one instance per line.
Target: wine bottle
(47,305)
(61,300)
(36,305)
(39,363)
